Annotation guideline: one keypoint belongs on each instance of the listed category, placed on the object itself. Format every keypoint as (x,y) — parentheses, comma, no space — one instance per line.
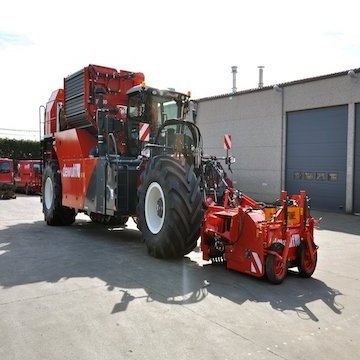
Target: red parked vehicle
(6,179)
(28,176)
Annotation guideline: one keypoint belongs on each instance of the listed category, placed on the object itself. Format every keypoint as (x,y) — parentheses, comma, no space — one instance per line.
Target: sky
(186,45)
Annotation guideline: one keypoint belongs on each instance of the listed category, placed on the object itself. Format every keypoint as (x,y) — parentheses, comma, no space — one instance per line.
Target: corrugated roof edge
(295,82)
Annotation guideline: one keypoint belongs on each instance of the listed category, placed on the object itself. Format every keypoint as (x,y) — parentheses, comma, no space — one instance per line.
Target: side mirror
(194,116)
(193,108)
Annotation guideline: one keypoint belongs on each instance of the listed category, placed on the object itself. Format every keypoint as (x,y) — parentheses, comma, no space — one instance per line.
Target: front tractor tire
(169,208)
(54,212)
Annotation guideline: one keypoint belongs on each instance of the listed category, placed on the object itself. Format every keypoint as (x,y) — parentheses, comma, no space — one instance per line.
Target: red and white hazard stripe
(227,141)
(144,132)
(256,265)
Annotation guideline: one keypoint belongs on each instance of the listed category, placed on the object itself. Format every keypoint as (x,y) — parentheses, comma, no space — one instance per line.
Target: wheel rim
(155,207)
(279,269)
(48,193)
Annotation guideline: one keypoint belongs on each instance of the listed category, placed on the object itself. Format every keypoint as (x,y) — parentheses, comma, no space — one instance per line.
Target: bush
(19,149)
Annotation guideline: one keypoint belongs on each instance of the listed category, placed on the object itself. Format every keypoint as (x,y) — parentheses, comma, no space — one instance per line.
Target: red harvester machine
(28,176)
(257,239)
(114,147)
(7,189)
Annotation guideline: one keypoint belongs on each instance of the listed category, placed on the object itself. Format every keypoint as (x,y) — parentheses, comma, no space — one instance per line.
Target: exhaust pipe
(234,72)
(261,76)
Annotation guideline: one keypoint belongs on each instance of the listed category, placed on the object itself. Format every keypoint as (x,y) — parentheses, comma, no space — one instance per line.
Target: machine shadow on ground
(32,253)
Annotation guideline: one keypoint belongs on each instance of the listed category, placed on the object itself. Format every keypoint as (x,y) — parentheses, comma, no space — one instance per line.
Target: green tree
(19,149)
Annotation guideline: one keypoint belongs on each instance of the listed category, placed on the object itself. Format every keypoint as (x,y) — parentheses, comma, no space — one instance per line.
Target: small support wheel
(28,189)
(275,270)
(306,266)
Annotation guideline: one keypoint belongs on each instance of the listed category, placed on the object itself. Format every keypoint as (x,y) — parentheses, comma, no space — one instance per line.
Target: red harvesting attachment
(259,239)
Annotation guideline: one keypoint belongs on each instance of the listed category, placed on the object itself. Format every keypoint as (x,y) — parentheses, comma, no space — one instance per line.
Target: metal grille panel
(75,100)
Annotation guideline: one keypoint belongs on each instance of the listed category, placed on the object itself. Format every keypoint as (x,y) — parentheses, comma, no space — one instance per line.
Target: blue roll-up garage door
(316,155)
(357,161)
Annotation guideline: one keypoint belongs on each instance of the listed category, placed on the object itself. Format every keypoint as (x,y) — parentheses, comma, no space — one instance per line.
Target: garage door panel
(303,164)
(322,196)
(328,203)
(318,191)
(327,149)
(316,155)
(321,137)
(310,161)
(357,161)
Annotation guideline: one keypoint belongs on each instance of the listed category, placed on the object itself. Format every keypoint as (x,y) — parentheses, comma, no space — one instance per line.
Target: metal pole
(261,76)
(234,72)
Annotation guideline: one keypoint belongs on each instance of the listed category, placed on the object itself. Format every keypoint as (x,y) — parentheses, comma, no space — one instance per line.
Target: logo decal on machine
(73,171)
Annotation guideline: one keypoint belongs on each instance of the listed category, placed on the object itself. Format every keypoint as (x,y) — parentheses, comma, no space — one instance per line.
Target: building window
(332,176)
(297,175)
(321,176)
(309,176)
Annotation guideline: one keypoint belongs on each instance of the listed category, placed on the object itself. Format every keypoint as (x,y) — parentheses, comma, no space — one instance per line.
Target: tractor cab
(151,109)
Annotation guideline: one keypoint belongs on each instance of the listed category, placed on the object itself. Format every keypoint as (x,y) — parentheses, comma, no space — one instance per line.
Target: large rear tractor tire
(54,212)
(169,207)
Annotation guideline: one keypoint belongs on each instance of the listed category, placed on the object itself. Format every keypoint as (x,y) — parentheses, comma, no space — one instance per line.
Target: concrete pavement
(88,292)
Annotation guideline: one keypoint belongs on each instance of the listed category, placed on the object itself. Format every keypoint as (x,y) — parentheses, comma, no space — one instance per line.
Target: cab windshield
(163,109)
(153,107)
(37,168)
(4,167)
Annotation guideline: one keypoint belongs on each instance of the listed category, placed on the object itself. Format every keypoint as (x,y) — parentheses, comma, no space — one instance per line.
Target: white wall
(257,122)
(253,122)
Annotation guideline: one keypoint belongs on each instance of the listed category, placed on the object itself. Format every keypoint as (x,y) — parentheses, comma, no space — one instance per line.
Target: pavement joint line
(183,305)
(338,275)
(319,332)
(49,295)
(267,349)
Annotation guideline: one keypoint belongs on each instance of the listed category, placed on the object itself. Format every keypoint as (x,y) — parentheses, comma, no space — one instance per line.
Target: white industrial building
(297,135)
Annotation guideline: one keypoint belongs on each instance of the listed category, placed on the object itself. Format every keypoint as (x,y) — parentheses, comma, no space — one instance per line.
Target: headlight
(232,159)
(146,152)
